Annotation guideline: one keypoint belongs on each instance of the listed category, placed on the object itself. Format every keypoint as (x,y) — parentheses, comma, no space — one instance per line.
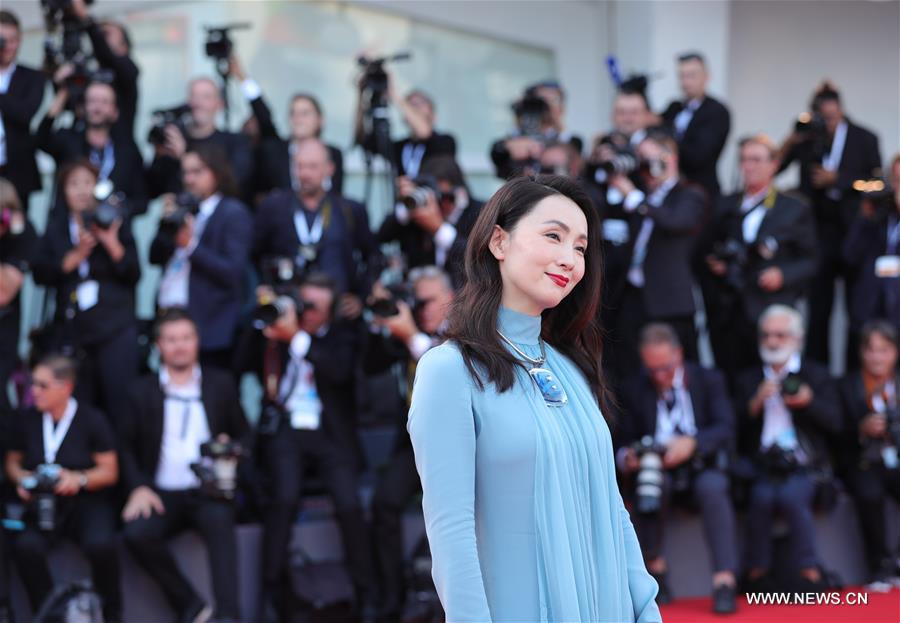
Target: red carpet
(881,608)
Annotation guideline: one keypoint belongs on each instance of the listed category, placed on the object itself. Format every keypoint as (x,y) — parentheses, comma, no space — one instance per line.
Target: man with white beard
(786,408)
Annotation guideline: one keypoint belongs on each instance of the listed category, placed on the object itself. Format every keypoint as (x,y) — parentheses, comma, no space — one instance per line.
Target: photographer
(700,123)
(786,409)
(423,142)
(662,226)
(433,216)
(204,248)
(112,49)
(90,259)
(871,441)
(205,103)
(305,361)
(18,244)
(763,252)
(833,152)
(305,118)
(410,334)
(870,252)
(62,458)
(171,415)
(21,94)
(322,230)
(691,422)
(113,152)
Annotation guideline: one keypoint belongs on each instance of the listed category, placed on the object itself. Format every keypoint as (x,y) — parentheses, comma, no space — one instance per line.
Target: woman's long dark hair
(216,160)
(572,327)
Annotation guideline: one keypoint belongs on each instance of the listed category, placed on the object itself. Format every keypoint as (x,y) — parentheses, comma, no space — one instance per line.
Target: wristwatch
(82,480)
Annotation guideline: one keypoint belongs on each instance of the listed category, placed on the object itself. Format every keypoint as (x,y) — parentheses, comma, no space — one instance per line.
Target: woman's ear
(497,245)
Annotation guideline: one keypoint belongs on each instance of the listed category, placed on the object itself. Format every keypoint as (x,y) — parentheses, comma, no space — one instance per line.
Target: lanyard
(53,437)
(893,236)
(307,235)
(412,156)
(105,162)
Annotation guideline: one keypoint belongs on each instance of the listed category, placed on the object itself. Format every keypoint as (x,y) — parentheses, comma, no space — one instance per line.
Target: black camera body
(779,462)
(185,204)
(625,160)
(179,116)
(791,384)
(41,485)
(284,275)
(374,83)
(217,469)
(531,112)
(111,207)
(426,186)
(812,126)
(734,254)
(649,479)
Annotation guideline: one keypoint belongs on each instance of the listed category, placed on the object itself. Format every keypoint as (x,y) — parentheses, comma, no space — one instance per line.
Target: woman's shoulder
(445,358)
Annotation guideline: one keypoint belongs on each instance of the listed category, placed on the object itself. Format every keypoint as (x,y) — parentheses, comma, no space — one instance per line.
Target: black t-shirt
(88,434)
(17,251)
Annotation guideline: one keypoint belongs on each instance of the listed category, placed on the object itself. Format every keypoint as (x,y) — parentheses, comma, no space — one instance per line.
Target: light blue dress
(522,509)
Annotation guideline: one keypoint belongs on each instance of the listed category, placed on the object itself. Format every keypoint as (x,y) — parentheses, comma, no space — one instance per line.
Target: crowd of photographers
(268,269)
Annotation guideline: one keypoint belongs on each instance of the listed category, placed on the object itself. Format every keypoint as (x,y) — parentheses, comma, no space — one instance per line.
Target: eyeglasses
(781,335)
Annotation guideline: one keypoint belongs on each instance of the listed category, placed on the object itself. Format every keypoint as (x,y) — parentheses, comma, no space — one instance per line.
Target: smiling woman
(508,434)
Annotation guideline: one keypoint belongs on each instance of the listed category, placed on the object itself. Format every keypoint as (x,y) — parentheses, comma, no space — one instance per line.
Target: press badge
(887,266)
(87,294)
(306,411)
(616,231)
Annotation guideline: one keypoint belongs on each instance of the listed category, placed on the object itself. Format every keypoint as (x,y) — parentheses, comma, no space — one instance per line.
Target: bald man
(318,228)
(205,102)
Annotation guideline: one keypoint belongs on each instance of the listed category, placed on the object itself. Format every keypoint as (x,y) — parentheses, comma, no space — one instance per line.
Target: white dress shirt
(5,78)
(778,424)
(185,429)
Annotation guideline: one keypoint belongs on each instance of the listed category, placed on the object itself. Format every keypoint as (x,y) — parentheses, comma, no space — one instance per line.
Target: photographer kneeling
(62,458)
(678,445)
(178,467)
(305,362)
(786,408)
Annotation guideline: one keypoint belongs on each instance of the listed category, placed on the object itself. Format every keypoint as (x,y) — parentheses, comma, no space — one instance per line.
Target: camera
(426,186)
(41,484)
(531,112)
(624,160)
(219,45)
(734,254)
(179,116)
(185,203)
(649,479)
(791,384)
(111,206)
(217,469)
(284,275)
(269,309)
(387,307)
(374,83)
(812,126)
(778,461)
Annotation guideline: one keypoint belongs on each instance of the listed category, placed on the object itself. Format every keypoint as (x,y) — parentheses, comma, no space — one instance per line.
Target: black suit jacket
(790,224)
(435,145)
(702,142)
(860,159)
(854,408)
(333,357)
(273,166)
(68,144)
(871,296)
(115,305)
(218,269)
(713,412)
(18,106)
(141,431)
(418,245)
(668,281)
(346,238)
(814,424)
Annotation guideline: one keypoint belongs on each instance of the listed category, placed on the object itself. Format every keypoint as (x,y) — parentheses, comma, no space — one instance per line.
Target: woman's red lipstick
(559,280)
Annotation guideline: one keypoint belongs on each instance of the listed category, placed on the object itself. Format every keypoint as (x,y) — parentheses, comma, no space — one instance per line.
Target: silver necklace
(553,393)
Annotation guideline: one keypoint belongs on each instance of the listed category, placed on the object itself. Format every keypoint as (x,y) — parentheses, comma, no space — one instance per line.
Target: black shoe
(762,584)
(268,610)
(724,599)
(805,585)
(664,595)
(197,612)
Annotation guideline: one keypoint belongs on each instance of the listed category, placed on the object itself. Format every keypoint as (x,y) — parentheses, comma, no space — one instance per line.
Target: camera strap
(55,435)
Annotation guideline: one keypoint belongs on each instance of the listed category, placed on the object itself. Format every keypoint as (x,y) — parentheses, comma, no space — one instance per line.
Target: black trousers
(734,340)
(89,519)
(821,296)
(286,455)
(710,492)
(871,487)
(4,570)
(107,372)
(398,483)
(214,520)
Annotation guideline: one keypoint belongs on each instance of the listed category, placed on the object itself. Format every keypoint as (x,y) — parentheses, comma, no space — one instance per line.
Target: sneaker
(724,599)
